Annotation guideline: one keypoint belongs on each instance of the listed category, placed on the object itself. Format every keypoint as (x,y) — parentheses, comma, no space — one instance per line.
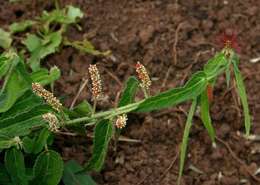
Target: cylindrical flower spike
(47,96)
(143,76)
(121,121)
(96,81)
(52,120)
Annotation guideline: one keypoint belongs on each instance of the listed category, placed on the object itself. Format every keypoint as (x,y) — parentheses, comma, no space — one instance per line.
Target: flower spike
(47,96)
(96,81)
(143,76)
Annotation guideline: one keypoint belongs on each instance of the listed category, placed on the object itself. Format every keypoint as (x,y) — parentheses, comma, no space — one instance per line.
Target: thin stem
(106,114)
(94,107)
(146,93)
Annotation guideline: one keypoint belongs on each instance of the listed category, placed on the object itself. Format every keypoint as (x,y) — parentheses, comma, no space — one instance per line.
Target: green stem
(106,114)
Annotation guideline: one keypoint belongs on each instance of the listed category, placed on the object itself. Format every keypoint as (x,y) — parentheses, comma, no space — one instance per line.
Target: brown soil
(147,31)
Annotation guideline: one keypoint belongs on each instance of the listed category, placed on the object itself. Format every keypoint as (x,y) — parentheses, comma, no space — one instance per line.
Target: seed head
(96,81)
(228,41)
(143,76)
(121,121)
(47,96)
(52,120)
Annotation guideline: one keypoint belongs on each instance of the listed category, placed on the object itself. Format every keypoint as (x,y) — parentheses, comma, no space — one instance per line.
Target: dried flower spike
(52,120)
(48,96)
(143,76)
(121,121)
(96,81)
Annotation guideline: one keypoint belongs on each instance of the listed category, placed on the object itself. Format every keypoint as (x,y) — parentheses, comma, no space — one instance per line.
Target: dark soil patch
(146,31)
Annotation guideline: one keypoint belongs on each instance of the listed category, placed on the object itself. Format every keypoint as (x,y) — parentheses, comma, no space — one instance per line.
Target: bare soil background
(173,39)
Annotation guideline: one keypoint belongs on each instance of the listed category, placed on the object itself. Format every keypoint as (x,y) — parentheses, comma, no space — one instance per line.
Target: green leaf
(6,143)
(67,15)
(5,65)
(74,13)
(227,72)
(14,163)
(48,168)
(36,144)
(71,176)
(82,109)
(205,115)
(4,177)
(16,84)
(5,39)
(103,133)
(192,89)
(44,77)
(185,139)
(17,27)
(32,42)
(21,119)
(42,47)
(129,92)
(242,93)
(216,65)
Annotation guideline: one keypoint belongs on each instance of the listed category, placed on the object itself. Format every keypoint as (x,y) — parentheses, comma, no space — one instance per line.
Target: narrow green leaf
(215,65)
(227,72)
(205,115)
(21,26)
(5,39)
(185,139)
(14,163)
(192,89)
(242,93)
(48,168)
(71,176)
(103,134)
(129,92)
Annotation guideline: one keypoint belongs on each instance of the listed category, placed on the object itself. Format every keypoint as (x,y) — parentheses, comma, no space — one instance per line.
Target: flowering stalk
(96,84)
(47,96)
(144,78)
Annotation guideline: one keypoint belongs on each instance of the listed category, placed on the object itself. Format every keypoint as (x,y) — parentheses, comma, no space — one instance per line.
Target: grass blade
(205,115)
(186,138)
(242,93)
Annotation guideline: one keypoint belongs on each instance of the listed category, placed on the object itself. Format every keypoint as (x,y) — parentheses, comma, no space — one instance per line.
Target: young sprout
(121,121)
(143,77)
(52,120)
(96,84)
(47,96)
